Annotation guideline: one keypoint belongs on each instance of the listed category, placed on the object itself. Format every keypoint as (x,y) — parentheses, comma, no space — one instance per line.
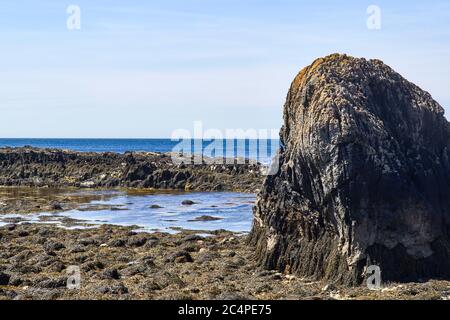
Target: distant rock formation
(58,168)
(364,178)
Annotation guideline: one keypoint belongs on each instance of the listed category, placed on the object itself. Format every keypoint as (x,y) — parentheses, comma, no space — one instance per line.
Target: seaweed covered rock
(363,179)
(36,167)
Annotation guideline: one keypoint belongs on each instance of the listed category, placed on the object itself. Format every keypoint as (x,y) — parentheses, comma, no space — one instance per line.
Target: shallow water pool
(151,211)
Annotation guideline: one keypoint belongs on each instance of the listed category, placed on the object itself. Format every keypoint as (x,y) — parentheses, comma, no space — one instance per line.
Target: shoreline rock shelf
(364,178)
(59,168)
(117,263)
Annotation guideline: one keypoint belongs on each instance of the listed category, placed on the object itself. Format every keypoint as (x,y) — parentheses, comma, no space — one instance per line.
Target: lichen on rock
(363,179)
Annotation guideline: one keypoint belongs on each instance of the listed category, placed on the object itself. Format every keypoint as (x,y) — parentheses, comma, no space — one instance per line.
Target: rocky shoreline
(121,263)
(36,167)
(118,263)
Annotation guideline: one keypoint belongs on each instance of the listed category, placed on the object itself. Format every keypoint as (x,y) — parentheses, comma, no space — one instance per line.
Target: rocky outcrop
(363,179)
(58,168)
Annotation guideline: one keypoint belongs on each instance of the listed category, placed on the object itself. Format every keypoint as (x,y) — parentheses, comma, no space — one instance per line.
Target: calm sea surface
(261,150)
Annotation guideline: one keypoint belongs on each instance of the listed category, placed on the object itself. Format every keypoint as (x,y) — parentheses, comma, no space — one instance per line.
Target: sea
(224,210)
(262,150)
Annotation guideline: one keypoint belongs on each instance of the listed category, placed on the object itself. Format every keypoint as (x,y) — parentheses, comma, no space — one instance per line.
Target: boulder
(363,178)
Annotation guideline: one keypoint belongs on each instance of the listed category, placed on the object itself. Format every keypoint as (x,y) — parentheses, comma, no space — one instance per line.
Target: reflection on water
(152,211)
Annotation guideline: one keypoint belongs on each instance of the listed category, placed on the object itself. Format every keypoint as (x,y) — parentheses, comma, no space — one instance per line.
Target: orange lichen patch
(299,79)
(302,76)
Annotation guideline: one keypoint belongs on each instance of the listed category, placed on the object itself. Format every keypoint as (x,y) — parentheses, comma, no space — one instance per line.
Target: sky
(144,68)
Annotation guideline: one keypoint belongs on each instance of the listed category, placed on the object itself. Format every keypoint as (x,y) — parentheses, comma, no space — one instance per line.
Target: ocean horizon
(261,150)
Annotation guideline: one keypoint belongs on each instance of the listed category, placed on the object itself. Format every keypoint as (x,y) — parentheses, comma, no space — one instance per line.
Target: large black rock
(363,179)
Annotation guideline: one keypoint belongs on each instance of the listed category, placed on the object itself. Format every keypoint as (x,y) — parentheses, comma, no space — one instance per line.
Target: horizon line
(92,138)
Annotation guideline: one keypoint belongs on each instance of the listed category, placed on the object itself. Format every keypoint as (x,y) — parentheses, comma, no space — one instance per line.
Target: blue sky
(146,68)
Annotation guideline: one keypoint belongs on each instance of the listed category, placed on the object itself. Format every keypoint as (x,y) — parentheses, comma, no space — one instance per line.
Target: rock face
(363,179)
(58,168)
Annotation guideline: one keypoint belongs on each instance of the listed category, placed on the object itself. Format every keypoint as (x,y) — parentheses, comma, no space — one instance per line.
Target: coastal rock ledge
(363,179)
(54,168)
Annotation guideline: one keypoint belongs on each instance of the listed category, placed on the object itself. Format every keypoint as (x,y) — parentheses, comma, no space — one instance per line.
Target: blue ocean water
(262,150)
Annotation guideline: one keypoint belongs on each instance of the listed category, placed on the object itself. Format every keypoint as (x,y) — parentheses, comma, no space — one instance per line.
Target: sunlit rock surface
(364,178)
